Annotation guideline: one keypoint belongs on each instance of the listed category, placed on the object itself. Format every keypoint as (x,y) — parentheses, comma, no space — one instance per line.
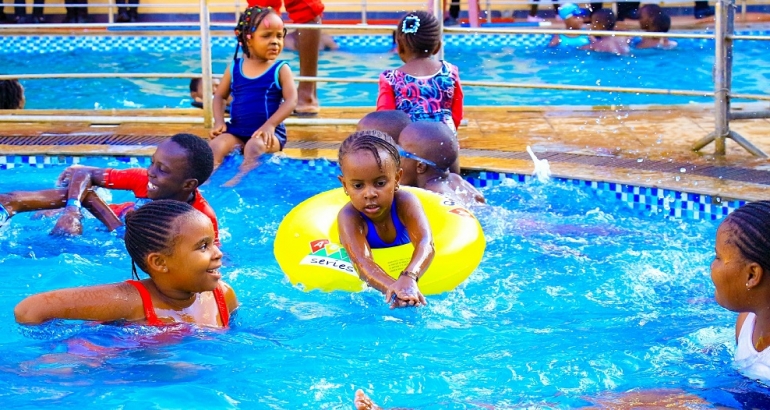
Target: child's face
(370,187)
(574,23)
(194,261)
(728,271)
(167,172)
(267,41)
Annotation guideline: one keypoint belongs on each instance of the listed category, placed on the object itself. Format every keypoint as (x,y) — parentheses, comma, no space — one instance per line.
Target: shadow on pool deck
(648,147)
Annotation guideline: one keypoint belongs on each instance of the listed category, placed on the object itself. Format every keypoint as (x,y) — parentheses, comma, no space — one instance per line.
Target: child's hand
(69,223)
(267,134)
(66,176)
(218,129)
(404,293)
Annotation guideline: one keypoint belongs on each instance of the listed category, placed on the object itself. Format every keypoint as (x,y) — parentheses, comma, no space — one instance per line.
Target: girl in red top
(174,244)
(425,88)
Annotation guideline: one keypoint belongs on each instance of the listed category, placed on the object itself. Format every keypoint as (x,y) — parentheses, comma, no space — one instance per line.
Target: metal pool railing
(723,36)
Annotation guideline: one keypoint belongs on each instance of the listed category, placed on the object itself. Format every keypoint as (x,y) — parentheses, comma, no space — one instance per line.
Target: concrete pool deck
(648,147)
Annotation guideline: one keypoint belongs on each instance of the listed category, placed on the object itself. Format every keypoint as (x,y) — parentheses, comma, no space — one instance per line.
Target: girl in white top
(738,271)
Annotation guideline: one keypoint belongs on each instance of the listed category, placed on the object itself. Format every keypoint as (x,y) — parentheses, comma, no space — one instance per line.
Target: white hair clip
(414,26)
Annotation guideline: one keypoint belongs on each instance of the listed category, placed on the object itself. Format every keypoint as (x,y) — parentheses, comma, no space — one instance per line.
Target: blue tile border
(653,200)
(53,43)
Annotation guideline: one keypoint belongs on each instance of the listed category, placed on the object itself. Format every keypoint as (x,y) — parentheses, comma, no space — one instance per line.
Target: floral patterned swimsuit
(433,98)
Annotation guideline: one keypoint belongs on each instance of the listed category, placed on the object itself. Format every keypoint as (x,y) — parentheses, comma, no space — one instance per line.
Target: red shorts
(300,11)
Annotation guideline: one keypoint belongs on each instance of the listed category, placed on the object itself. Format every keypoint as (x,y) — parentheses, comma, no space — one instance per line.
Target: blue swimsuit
(254,101)
(402,236)
(573,42)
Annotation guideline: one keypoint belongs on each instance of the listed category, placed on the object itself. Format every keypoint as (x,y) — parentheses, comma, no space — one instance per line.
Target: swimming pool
(516,58)
(577,295)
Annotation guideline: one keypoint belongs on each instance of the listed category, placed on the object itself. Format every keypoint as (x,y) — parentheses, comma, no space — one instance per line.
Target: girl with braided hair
(738,271)
(379,215)
(425,88)
(263,93)
(174,244)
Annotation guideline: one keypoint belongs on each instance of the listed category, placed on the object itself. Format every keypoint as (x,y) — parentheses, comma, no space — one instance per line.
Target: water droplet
(682,170)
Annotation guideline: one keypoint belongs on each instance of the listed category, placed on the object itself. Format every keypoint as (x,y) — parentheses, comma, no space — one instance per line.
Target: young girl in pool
(425,88)
(738,271)
(379,215)
(263,93)
(174,244)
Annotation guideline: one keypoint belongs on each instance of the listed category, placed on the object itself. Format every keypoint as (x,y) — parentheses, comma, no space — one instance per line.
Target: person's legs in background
(72,12)
(306,12)
(628,10)
(82,12)
(37,12)
(127,14)
(533,13)
(703,10)
(454,13)
(20,11)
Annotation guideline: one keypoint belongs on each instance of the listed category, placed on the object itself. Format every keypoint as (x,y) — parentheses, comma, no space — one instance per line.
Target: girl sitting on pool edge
(174,244)
(379,215)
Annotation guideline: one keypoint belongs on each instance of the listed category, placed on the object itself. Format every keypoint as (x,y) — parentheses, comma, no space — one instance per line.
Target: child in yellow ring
(380,216)
(263,93)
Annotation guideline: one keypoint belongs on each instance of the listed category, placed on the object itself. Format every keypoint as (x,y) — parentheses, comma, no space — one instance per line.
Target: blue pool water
(523,59)
(576,298)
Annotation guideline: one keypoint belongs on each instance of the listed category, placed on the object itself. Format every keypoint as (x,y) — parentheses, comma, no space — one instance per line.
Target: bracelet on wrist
(73,202)
(411,274)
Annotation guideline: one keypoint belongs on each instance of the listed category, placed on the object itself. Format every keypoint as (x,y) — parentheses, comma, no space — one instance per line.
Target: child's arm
(410,211)
(457,102)
(351,229)
(555,41)
(96,175)
(20,201)
(99,303)
(386,97)
(220,100)
(230,298)
(289,90)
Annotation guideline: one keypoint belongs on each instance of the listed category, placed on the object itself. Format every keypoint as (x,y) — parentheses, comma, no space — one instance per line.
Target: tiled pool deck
(648,148)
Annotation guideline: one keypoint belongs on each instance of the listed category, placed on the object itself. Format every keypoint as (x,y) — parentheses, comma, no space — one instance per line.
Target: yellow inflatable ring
(308,250)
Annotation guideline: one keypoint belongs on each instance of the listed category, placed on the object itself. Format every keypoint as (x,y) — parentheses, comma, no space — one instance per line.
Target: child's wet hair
(150,228)
(605,17)
(11,94)
(419,32)
(391,122)
(661,23)
(247,25)
(200,158)
(194,85)
(372,141)
(751,233)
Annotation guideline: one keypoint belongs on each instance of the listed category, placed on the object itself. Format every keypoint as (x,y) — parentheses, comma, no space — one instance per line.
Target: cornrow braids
(372,141)
(419,32)
(11,94)
(247,24)
(751,224)
(151,229)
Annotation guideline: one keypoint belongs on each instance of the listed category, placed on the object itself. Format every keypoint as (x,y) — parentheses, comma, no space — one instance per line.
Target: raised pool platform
(647,147)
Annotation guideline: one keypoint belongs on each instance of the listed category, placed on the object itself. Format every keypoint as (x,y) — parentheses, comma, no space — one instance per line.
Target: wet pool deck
(648,147)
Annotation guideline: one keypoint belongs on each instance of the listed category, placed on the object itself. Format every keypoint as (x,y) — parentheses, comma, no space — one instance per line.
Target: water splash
(542,169)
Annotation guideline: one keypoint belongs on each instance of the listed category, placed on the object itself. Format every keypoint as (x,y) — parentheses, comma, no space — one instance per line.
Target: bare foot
(363,402)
